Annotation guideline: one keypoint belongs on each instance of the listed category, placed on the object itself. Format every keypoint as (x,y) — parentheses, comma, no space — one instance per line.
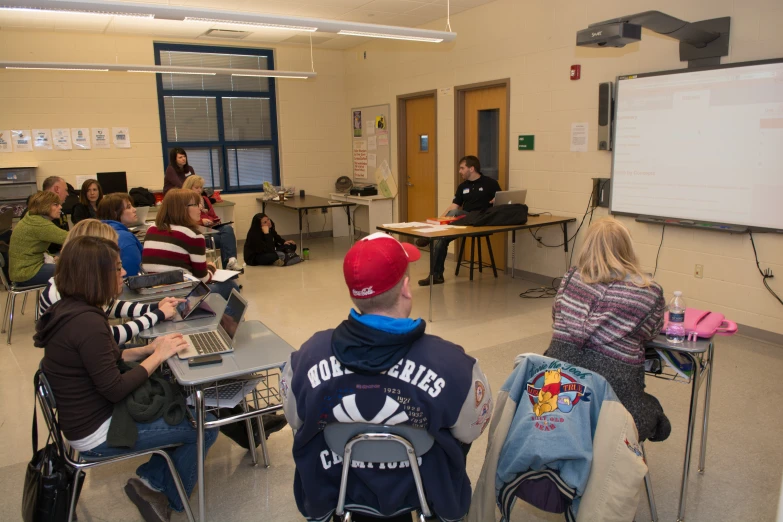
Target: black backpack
(71,200)
(142,197)
(513,214)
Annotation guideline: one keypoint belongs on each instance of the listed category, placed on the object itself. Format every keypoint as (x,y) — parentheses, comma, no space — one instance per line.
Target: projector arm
(668,25)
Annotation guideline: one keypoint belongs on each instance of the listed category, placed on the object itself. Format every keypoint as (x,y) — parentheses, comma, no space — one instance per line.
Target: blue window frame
(226,124)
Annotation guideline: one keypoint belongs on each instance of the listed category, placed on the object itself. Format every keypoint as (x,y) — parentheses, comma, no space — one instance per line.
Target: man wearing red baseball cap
(379,367)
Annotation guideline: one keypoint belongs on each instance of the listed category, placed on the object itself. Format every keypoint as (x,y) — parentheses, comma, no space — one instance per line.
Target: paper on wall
(369,126)
(42,139)
(371,160)
(80,181)
(23,140)
(360,159)
(383,140)
(100,138)
(384,178)
(80,137)
(62,139)
(121,137)
(357,124)
(5,141)
(372,143)
(579,137)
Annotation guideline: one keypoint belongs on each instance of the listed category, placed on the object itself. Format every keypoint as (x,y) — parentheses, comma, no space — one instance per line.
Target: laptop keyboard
(206,343)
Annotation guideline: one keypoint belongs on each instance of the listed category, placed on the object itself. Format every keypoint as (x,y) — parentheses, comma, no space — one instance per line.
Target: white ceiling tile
(343,42)
(322,11)
(81,22)
(352,4)
(435,11)
(264,7)
(391,6)
(368,17)
(405,20)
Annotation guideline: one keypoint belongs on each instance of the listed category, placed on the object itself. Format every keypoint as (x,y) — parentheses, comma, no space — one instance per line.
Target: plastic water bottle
(675,330)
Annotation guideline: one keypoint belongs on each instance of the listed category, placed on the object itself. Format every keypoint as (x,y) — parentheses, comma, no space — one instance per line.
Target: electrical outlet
(698,272)
(324,210)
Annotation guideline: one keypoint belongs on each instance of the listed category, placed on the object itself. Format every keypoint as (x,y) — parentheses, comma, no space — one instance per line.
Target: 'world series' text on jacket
(383,371)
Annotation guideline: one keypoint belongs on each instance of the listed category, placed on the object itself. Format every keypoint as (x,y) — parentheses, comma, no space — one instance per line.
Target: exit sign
(527,142)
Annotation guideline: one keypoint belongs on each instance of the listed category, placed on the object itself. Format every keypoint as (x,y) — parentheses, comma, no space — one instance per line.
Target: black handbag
(48,483)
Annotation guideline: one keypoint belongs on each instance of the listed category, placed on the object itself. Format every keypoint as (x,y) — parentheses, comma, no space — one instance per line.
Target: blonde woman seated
(226,239)
(144,316)
(605,310)
(31,238)
(175,242)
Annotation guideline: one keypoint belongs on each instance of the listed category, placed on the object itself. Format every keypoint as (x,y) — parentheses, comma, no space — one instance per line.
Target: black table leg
(565,236)
(459,257)
(301,236)
(491,257)
(481,262)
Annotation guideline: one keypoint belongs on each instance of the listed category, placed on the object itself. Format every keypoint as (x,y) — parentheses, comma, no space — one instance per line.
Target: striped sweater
(178,248)
(144,316)
(615,319)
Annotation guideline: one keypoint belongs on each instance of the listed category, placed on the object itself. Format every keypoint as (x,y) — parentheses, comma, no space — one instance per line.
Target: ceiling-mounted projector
(615,34)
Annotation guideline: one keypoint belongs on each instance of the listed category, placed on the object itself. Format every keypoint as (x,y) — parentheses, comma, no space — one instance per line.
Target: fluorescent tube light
(58,69)
(60,10)
(391,36)
(170,72)
(253,24)
(271,76)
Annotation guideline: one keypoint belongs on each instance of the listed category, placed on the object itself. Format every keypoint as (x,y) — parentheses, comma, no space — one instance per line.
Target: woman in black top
(264,246)
(89,198)
(178,169)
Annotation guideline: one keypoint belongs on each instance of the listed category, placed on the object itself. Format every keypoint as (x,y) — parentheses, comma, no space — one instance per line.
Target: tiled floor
(487,317)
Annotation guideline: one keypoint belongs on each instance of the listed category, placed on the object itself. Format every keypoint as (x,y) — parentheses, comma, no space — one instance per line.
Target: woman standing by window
(177,171)
(89,198)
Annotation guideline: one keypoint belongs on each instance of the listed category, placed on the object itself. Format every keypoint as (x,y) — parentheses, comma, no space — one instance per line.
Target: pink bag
(704,324)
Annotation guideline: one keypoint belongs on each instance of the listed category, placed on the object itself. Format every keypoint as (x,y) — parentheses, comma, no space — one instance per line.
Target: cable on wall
(765,274)
(448,15)
(663,231)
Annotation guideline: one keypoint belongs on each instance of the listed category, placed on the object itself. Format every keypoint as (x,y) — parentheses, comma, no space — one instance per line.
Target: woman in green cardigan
(31,238)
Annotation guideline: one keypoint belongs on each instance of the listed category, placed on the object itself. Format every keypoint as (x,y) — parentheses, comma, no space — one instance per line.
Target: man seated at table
(476,192)
(379,366)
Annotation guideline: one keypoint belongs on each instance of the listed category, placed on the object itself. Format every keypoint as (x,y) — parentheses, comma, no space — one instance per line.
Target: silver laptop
(508,197)
(220,340)
(141,215)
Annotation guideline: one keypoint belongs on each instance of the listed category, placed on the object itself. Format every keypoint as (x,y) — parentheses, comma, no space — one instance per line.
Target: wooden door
(486,137)
(420,158)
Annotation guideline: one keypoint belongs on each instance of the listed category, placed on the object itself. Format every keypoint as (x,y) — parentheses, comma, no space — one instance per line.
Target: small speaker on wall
(605,114)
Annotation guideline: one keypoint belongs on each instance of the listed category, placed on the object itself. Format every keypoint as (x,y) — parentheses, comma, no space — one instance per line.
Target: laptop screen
(235,309)
(193,299)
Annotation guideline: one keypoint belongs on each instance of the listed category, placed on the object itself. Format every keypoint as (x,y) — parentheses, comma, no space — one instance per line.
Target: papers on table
(434,228)
(412,224)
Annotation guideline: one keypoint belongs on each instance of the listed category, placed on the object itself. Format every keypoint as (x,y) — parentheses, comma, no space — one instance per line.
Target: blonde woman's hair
(192,181)
(93,228)
(608,255)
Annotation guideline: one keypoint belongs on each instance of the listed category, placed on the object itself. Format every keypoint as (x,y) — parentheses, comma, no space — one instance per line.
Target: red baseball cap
(376,264)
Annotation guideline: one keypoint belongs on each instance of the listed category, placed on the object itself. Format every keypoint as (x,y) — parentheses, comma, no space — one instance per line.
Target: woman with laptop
(90,376)
(90,197)
(117,211)
(142,316)
(175,242)
(225,239)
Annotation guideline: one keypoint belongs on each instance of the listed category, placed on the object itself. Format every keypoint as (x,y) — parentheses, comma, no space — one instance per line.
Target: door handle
(409,184)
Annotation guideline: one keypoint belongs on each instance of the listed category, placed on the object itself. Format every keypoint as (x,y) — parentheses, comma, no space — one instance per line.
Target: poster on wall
(100,138)
(42,139)
(369,127)
(81,138)
(579,137)
(359,159)
(357,124)
(23,140)
(5,141)
(121,137)
(62,139)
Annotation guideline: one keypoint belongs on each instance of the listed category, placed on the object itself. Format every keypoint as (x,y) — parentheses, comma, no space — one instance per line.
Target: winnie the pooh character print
(554,390)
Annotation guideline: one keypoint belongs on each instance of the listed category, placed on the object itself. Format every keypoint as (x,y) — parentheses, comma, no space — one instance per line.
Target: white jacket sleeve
(289,400)
(476,409)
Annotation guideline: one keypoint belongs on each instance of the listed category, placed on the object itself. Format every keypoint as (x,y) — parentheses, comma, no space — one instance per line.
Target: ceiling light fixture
(183,13)
(159,69)
(253,24)
(59,10)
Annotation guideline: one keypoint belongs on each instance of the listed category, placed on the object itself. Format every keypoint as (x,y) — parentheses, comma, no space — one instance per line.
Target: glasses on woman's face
(192,204)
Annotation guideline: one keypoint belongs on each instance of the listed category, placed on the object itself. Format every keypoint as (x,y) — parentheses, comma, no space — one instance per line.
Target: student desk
(257,353)
(700,353)
(470,231)
(303,204)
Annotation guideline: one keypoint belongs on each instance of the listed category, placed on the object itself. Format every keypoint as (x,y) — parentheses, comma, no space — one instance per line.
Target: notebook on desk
(221,339)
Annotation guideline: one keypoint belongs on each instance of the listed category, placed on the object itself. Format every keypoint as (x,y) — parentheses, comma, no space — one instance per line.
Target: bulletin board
(371,148)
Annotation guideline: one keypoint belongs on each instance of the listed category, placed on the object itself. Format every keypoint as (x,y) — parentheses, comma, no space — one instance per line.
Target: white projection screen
(704,145)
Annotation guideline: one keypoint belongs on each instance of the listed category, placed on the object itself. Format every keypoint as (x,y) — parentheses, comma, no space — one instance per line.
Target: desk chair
(378,443)
(649,488)
(471,263)
(10,303)
(213,252)
(45,398)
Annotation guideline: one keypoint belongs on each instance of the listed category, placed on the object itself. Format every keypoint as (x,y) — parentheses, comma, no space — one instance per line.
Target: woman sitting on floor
(144,316)
(174,242)
(31,238)
(117,211)
(225,239)
(89,198)
(605,310)
(264,246)
(83,365)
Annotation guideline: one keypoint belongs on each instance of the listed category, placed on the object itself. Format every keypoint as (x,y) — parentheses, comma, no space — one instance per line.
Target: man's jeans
(440,248)
(156,471)
(226,241)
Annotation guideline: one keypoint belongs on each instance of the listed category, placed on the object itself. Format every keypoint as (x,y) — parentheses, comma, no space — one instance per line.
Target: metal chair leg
(11,317)
(36,313)
(649,487)
(250,438)
(24,301)
(72,508)
(7,311)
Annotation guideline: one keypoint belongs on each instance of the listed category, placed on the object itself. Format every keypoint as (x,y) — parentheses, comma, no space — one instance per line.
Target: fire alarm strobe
(576,72)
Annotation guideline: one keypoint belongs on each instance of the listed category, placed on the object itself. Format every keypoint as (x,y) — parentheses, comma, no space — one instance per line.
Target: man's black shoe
(436,280)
